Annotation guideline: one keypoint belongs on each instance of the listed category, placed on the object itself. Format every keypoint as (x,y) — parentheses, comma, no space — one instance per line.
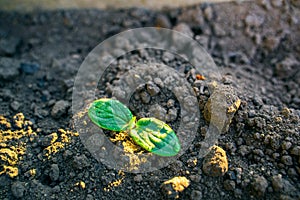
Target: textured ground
(256,46)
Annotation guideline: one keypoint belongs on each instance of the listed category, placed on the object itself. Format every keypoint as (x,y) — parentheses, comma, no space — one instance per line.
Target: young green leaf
(155,136)
(111,114)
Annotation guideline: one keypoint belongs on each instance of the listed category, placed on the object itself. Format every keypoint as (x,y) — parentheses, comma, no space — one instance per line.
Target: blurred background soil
(30,5)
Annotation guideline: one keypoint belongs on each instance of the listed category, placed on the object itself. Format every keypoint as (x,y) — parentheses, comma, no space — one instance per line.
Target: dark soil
(256,46)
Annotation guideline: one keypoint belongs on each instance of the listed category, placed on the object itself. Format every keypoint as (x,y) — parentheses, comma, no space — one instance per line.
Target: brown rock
(215,162)
(221,107)
(172,187)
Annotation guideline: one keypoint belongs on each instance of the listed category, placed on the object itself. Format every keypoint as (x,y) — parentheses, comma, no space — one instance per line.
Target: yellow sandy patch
(10,170)
(132,150)
(59,141)
(11,147)
(116,182)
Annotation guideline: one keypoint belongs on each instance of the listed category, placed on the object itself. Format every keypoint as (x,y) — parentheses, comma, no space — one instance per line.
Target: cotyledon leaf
(155,136)
(111,114)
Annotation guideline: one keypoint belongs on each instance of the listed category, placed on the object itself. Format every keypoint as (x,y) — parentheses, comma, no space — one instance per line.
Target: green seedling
(151,134)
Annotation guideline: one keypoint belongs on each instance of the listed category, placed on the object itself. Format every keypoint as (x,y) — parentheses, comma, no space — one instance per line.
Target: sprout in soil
(151,134)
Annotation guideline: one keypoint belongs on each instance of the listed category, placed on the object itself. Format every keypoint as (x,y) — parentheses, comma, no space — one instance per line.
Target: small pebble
(54,172)
(238,175)
(229,185)
(208,13)
(259,185)
(286,145)
(15,105)
(231,175)
(167,56)
(152,89)
(138,178)
(277,183)
(184,28)
(163,21)
(196,195)
(296,151)
(170,103)
(158,82)
(69,83)
(258,152)
(195,178)
(171,115)
(275,155)
(59,109)
(56,189)
(286,112)
(244,150)
(271,42)
(18,189)
(286,68)
(80,162)
(145,97)
(287,160)
(158,112)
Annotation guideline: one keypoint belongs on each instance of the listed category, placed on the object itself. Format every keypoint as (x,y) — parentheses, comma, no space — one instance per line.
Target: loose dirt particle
(80,184)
